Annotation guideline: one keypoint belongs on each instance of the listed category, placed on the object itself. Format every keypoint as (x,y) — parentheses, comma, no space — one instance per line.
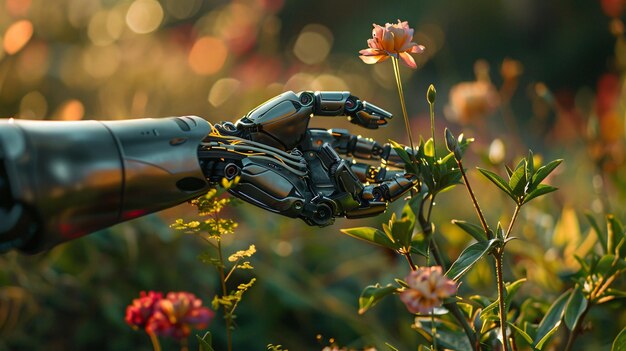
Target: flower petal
(371,52)
(370,60)
(373,43)
(387,41)
(417,49)
(408,60)
(377,32)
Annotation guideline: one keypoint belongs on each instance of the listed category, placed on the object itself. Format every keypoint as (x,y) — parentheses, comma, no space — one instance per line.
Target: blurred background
(544,75)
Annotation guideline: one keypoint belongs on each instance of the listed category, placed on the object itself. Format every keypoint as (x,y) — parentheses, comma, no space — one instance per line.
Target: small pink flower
(391,40)
(177,314)
(427,289)
(140,311)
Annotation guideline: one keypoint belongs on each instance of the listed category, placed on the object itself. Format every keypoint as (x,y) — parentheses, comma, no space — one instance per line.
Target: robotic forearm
(63,180)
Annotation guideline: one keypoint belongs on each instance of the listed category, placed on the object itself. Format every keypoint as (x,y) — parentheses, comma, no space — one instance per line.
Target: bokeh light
(313,44)
(33,106)
(144,16)
(17,36)
(222,90)
(70,110)
(208,55)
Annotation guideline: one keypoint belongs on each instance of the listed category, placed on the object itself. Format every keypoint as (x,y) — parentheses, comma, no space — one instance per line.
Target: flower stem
(155,342)
(433,329)
(431,106)
(502,304)
(451,306)
(227,313)
(407,125)
(508,231)
(479,212)
(409,259)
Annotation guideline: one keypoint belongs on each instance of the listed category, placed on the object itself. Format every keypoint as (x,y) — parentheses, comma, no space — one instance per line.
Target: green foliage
(524,182)
(551,321)
(619,344)
(205,342)
(470,256)
(372,294)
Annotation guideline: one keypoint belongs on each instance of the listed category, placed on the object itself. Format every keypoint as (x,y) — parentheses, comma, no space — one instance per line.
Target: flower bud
(450,140)
(431,94)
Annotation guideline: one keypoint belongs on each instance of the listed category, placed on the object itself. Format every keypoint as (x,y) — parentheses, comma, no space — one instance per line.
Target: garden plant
(512,238)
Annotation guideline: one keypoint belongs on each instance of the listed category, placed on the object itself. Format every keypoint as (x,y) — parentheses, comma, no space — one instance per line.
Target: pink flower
(177,314)
(427,289)
(140,311)
(392,40)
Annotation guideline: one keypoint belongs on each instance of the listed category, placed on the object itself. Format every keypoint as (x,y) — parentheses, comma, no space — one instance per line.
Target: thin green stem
(438,258)
(479,212)
(508,231)
(502,303)
(433,329)
(432,127)
(407,125)
(227,313)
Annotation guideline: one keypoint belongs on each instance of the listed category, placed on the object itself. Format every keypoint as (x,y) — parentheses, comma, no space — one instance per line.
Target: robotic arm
(63,180)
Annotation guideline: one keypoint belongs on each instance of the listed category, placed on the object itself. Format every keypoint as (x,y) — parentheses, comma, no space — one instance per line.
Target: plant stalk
(508,231)
(451,306)
(227,314)
(577,329)
(407,125)
(155,342)
(479,212)
(502,303)
(409,259)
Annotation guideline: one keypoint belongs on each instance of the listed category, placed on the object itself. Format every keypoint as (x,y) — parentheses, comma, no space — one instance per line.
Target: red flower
(392,40)
(140,311)
(173,316)
(177,314)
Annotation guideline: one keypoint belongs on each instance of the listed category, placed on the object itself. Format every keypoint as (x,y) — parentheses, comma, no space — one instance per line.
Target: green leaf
(372,294)
(511,289)
(596,228)
(544,171)
(204,343)
(446,338)
(469,257)
(576,305)
(518,181)
(429,148)
(371,235)
(498,181)
(409,164)
(530,165)
(391,347)
(609,264)
(509,171)
(615,234)
(551,321)
(619,344)
(522,333)
(541,189)
(472,229)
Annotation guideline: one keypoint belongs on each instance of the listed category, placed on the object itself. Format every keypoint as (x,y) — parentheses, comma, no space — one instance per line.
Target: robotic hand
(63,180)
